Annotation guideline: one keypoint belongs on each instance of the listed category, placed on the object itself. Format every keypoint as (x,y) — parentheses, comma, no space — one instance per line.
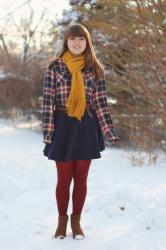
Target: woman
(75,117)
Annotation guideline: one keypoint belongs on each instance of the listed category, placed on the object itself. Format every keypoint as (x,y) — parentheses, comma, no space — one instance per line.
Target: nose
(77,42)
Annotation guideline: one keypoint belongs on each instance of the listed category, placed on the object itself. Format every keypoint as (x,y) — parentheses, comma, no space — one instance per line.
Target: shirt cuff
(110,135)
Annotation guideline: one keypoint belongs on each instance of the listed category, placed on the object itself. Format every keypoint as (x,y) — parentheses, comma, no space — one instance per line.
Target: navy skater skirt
(75,140)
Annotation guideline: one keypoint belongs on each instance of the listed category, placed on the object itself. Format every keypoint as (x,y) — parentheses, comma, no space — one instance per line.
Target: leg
(81,169)
(64,173)
(80,175)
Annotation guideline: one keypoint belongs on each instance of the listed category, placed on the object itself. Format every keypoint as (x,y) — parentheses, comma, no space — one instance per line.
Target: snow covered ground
(125,207)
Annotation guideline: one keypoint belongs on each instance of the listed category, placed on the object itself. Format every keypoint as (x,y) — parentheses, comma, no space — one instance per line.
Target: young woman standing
(75,117)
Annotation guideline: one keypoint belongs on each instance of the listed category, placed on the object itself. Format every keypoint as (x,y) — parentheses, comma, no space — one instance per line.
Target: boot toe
(78,237)
(60,237)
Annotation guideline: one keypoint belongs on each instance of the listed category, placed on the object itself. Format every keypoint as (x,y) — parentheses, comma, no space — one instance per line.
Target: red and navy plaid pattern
(57,84)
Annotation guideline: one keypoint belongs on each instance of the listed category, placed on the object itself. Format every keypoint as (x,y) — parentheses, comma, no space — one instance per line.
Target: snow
(125,207)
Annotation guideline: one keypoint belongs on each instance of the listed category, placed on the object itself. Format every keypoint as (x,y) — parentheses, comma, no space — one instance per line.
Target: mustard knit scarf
(76,102)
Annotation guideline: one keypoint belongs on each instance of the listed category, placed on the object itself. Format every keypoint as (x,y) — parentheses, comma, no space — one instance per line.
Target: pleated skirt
(75,140)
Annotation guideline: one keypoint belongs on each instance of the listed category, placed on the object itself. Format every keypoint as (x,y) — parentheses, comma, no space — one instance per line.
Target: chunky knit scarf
(76,102)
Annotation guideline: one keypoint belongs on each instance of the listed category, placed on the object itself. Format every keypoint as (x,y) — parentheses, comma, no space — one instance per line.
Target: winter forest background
(126,205)
(130,40)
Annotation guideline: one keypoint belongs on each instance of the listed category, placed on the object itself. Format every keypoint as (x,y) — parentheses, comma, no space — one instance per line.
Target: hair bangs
(76,31)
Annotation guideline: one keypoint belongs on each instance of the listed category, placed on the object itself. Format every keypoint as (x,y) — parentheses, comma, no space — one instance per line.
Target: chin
(77,53)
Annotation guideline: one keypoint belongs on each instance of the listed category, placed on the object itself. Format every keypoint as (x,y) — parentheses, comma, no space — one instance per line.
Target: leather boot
(76,228)
(62,226)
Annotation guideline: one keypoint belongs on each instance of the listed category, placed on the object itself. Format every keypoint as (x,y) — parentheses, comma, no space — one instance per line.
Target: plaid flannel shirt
(57,85)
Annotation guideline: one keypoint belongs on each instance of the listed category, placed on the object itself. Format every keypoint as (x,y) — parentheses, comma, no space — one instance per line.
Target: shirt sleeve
(100,104)
(48,104)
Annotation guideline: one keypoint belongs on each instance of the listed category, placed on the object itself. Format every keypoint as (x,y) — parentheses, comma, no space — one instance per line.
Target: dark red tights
(78,170)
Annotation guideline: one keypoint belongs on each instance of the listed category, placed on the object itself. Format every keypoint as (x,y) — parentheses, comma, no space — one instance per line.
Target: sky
(20,6)
(10,25)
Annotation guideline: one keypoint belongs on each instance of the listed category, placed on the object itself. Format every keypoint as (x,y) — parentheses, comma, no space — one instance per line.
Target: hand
(47,143)
(115,140)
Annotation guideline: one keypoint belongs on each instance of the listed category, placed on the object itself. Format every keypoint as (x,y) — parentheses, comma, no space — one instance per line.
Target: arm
(48,104)
(99,100)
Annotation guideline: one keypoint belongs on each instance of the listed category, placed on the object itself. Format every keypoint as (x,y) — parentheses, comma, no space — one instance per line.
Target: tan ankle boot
(76,228)
(62,226)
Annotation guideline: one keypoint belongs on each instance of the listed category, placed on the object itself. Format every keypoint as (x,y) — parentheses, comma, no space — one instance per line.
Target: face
(76,45)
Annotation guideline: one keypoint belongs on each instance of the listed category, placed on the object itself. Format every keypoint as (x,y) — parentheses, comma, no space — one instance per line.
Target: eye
(82,38)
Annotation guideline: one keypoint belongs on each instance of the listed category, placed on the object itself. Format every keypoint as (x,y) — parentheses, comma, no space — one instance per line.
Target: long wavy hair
(91,61)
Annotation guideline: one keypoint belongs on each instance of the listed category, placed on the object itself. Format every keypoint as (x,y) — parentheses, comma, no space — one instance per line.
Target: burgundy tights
(78,170)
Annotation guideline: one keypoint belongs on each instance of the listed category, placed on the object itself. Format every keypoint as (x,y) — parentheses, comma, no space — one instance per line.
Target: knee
(80,183)
(64,182)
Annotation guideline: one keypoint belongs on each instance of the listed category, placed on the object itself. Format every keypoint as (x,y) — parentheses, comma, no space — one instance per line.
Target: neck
(75,55)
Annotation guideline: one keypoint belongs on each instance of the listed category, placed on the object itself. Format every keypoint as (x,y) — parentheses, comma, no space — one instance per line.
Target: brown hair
(91,61)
